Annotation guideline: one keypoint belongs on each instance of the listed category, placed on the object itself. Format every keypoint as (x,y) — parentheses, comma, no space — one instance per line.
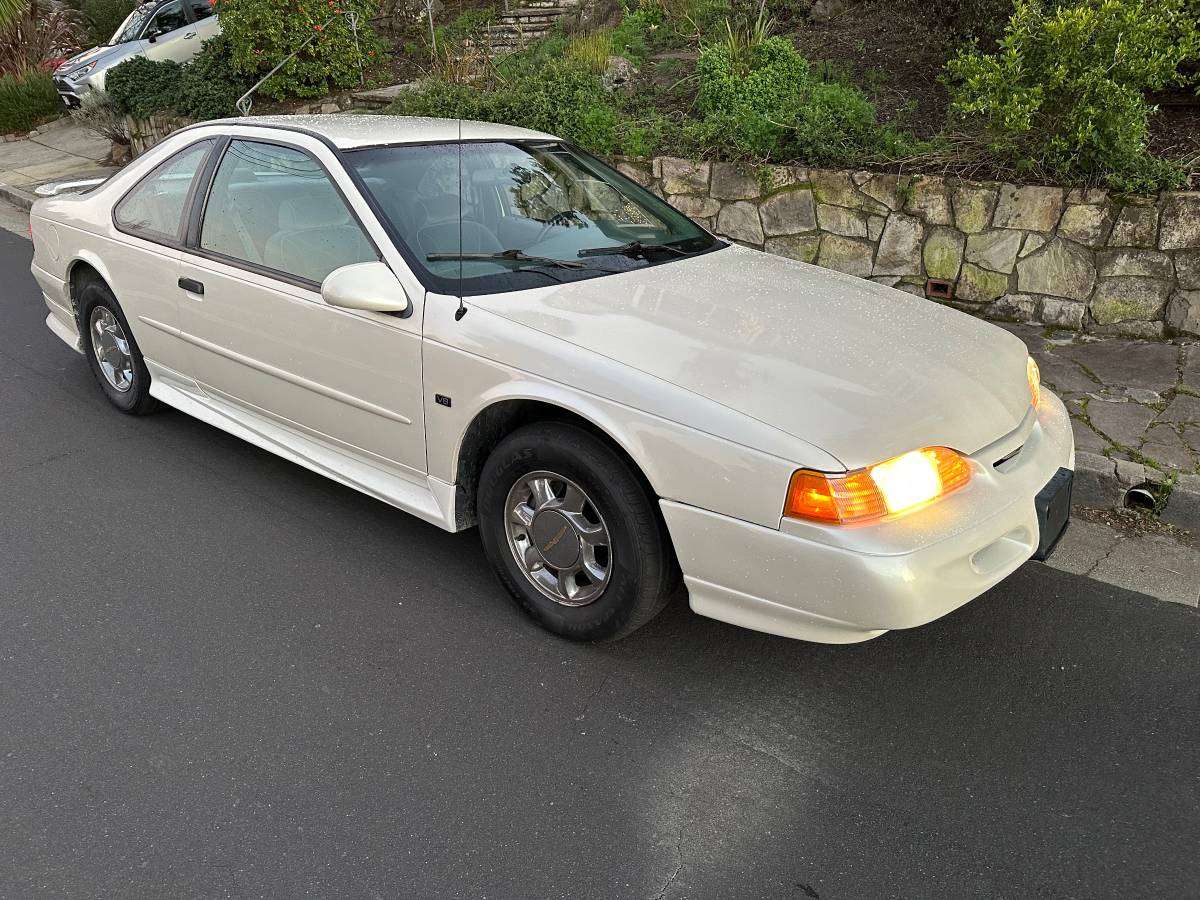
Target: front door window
(274,207)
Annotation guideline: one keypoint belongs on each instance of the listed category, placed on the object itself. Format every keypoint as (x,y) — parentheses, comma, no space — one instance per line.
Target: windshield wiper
(506,256)
(633,248)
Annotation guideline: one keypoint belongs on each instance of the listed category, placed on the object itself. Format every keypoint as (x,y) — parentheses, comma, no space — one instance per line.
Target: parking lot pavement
(225,676)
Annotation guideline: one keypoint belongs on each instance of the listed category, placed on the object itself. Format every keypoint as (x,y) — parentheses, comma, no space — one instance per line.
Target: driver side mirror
(371,286)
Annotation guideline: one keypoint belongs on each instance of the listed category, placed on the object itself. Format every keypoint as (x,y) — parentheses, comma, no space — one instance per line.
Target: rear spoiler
(80,186)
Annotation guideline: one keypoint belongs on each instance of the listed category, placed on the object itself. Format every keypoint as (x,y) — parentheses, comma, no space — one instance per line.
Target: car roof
(351,132)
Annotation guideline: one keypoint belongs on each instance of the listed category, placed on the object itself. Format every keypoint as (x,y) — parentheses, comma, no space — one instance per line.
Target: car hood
(96,53)
(860,370)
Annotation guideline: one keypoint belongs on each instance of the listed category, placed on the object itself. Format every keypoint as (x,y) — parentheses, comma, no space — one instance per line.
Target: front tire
(112,353)
(573,533)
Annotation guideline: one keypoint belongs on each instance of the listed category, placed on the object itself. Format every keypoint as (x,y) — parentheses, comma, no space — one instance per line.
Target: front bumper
(71,92)
(843,585)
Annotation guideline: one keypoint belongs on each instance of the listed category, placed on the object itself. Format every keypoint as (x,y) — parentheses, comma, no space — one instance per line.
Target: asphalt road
(221,675)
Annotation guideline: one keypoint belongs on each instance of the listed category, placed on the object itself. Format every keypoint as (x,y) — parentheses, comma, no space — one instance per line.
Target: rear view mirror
(370,286)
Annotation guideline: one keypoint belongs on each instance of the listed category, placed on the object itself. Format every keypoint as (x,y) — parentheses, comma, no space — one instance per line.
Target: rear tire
(112,352)
(552,489)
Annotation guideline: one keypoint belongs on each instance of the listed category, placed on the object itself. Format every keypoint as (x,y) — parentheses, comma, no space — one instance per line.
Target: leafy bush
(752,98)
(632,38)
(558,98)
(104,17)
(210,86)
(761,100)
(27,98)
(262,33)
(1064,94)
(205,88)
(143,87)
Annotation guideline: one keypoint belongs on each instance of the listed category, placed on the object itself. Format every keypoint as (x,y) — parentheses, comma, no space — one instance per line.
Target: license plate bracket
(1053,506)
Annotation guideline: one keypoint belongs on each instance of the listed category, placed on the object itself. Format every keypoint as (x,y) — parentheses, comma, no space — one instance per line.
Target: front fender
(681,463)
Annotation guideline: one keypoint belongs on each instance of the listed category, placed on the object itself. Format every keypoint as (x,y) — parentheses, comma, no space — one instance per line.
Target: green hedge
(26,99)
(205,88)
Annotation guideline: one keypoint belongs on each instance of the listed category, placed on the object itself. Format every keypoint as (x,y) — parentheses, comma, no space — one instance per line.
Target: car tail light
(895,486)
(1035,381)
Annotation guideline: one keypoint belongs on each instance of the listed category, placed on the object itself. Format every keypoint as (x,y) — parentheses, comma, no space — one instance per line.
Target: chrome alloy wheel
(558,538)
(111,348)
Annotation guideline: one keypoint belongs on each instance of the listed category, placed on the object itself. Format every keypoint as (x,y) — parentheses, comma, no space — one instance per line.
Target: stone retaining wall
(145,133)
(1079,259)
(1086,260)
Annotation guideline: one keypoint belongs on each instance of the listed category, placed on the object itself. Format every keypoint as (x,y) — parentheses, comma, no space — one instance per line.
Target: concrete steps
(524,25)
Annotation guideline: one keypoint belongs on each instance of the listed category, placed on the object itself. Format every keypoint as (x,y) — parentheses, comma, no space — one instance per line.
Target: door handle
(189,35)
(192,286)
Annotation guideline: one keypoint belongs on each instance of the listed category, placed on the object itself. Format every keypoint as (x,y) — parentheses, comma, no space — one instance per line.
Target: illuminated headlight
(1035,381)
(895,486)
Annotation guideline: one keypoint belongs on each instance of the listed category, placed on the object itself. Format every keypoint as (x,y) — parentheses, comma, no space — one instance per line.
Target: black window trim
(429,283)
(185,215)
(199,208)
(182,6)
(189,12)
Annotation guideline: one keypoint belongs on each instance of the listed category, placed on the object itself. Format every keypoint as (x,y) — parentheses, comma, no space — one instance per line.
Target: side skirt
(432,500)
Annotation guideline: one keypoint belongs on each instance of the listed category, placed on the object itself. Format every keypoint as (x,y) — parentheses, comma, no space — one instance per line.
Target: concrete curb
(18,196)
(1102,483)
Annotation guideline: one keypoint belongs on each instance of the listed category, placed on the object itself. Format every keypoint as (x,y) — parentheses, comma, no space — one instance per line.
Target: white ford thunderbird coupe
(483,325)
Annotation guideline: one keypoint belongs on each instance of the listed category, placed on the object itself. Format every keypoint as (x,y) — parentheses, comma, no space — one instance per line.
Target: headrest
(312,212)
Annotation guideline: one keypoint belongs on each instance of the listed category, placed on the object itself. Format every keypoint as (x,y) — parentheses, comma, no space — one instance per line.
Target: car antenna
(462,306)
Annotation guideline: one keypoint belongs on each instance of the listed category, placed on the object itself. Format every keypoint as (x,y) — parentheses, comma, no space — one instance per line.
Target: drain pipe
(1140,497)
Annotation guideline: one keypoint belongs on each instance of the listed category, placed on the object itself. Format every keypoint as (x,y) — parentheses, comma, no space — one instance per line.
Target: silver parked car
(162,30)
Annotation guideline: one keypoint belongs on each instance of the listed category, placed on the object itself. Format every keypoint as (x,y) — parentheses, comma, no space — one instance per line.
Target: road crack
(678,864)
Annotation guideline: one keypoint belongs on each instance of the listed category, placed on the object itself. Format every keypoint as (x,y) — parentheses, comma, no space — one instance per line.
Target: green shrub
(210,87)
(558,98)
(205,88)
(632,38)
(143,87)
(262,33)
(1065,93)
(104,17)
(27,98)
(761,100)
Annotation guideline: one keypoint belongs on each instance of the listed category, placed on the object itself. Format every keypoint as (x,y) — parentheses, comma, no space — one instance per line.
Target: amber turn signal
(895,486)
(1035,381)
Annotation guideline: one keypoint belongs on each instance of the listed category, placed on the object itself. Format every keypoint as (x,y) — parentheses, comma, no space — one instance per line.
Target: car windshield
(529,213)
(131,28)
